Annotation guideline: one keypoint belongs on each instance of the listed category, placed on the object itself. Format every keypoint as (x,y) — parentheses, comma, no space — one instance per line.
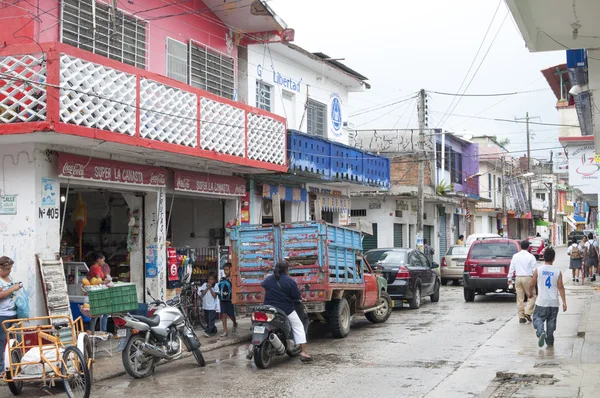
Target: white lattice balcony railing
(71,91)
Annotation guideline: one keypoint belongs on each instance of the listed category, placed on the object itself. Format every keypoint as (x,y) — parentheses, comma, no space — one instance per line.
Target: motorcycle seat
(152,322)
(270,308)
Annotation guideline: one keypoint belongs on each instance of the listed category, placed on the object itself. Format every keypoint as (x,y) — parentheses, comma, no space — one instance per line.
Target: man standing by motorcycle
(282,292)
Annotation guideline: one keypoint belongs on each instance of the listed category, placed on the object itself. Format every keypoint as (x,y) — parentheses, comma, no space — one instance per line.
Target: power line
(473,61)
(490,95)
(511,120)
(479,66)
(372,109)
(385,114)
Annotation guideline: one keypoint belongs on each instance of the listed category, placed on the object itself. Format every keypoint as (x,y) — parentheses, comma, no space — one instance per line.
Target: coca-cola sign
(209,183)
(95,169)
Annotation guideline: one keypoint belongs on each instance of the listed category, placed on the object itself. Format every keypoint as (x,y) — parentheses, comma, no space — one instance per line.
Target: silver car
(453,264)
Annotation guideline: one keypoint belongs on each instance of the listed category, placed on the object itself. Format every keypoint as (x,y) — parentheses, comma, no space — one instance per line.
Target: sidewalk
(107,367)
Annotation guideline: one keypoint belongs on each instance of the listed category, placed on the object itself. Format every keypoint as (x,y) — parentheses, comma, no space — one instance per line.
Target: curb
(186,354)
(582,326)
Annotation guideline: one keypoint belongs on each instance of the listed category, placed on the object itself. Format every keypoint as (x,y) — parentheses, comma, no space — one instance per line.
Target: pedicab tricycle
(47,349)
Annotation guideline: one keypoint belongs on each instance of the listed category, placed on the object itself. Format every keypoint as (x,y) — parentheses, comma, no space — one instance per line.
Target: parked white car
(473,237)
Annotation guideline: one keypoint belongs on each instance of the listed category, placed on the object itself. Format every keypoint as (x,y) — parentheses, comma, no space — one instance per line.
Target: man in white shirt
(549,283)
(523,264)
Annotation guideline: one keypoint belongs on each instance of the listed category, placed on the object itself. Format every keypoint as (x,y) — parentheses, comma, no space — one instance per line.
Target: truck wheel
(415,302)
(339,319)
(469,295)
(381,315)
(435,297)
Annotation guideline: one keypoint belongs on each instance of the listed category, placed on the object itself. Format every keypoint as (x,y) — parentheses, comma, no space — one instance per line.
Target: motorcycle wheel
(199,357)
(137,363)
(262,355)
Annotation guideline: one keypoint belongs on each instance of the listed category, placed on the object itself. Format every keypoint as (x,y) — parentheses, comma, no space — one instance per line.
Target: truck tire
(339,318)
(381,315)
(415,301)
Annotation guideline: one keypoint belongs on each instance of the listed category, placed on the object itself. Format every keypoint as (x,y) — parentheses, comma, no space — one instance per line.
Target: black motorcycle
(272,335)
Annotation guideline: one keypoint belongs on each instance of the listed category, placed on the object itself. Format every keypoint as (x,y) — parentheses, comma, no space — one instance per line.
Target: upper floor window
(490,179)
(315,112)
(177,60)
(212,71)
(438,155)
(263,96)
(92,26)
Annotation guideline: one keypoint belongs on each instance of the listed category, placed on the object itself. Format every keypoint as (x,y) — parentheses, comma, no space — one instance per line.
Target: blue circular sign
(336,113)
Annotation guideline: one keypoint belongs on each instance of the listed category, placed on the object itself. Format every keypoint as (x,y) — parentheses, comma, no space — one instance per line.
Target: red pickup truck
(335,280)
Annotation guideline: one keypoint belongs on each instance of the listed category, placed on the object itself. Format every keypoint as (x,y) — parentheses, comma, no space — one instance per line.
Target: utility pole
(504,215)
(421,158)
(551,200)
(529,187)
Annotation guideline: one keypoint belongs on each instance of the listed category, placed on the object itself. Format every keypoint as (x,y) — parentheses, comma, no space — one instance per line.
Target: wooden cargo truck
(326,261)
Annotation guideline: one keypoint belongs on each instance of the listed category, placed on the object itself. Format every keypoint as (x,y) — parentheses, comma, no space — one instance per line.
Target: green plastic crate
(121,298)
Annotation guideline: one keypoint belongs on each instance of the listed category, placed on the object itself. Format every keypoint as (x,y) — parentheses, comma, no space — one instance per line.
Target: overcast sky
(403,46)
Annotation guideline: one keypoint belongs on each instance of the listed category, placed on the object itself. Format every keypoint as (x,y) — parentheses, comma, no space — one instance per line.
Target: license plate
(494,270)
(460,264)
(259,329)
(121,333)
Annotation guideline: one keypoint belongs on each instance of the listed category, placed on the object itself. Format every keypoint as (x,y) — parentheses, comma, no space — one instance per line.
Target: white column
(136,255)
(155,250)
(34,229)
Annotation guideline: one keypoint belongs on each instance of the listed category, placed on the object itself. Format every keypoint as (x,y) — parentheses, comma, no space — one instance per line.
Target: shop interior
(96,220)
(196,231)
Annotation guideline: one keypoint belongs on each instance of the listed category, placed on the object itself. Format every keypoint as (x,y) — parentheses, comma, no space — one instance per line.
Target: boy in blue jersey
(227,307)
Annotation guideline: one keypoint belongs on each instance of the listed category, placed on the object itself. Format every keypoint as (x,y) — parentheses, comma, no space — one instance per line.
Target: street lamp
(474,176)
(527,175)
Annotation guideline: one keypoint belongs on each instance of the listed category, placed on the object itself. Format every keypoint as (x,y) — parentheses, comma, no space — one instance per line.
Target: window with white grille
(90,26)
(263,96)
(212,71)
(315,112)
(177,60)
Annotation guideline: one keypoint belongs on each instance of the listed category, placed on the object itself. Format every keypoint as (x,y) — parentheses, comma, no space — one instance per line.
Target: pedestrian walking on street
(523,264)
(575,252)
(8,306)
(227,307)
(590,254)
(209,293)
(428,251)
(549,284)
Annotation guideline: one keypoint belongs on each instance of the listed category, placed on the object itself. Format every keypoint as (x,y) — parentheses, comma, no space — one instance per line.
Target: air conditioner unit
(267,208)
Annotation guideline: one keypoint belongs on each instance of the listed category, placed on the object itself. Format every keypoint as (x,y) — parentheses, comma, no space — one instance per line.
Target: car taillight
(444,262)
(260,316)
(469,266)
(403,273)
(119,322)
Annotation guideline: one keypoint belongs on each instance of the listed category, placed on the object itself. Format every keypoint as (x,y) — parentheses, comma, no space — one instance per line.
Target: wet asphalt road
(431,352)
(408,355)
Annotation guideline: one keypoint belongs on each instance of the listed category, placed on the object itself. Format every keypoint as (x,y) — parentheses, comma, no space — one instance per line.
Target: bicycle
(191,304)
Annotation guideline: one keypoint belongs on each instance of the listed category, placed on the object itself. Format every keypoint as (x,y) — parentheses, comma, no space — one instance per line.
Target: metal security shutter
(443,237)
(212,71)
(411,235)
(398,235)
(370,241)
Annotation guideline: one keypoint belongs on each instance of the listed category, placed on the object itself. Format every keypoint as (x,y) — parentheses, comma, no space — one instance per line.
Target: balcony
(539,204)
(68,91)
(321,159)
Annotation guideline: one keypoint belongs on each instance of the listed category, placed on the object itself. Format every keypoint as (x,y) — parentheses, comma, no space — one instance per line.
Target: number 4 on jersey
(548,283)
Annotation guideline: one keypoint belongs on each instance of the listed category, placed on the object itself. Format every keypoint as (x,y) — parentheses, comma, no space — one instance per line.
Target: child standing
(227,308)
(209,292)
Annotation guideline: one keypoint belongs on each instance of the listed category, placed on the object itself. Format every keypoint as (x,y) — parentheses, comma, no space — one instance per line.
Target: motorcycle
(272,336)
(145,341)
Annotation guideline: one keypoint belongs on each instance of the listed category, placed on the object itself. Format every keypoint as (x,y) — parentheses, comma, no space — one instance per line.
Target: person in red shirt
(96,271)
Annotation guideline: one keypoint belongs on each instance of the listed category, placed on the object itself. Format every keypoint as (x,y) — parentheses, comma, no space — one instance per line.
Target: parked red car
(486,267)
(537,247)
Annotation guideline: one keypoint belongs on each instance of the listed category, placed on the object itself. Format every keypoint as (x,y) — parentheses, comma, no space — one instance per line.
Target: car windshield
(458,250)
(386,257)
(493,250)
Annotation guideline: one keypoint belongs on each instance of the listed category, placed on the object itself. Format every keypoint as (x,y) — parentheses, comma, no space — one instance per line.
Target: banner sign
(105,170)
(188,181)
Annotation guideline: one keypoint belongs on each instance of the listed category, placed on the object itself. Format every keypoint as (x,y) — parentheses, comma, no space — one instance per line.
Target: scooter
(145,341)
(272,336)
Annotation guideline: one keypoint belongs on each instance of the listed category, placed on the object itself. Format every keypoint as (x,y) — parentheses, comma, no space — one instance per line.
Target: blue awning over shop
(285,193)
(579,219)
